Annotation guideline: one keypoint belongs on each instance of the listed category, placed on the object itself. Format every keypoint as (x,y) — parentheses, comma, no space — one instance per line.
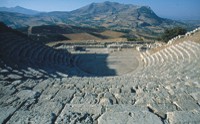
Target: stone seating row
(19,48)
(183,55)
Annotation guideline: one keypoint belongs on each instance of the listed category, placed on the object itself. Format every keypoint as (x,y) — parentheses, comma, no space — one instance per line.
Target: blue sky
(174,9)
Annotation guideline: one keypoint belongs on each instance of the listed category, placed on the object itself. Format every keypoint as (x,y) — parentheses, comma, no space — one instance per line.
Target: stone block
(138,117)
(183,117)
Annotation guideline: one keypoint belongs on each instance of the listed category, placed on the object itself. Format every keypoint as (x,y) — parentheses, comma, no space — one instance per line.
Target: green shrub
(173,32)
(131,39)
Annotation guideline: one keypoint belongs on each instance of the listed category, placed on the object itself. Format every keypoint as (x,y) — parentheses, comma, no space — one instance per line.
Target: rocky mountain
(138,20)
(19,9)
(113,14)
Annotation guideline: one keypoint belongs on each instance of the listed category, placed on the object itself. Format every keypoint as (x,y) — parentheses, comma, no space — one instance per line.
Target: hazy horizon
(179,9)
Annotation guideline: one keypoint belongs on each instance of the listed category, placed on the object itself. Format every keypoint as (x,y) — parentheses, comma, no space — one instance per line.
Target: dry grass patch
(112,34)
(81,36)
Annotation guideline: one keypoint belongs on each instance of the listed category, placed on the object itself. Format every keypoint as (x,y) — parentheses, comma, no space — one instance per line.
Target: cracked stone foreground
(35,88)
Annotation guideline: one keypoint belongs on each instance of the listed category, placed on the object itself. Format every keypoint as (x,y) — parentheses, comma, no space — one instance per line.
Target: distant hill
(191,22)
(139,21)
(111,14)
(19,9)
(18,20)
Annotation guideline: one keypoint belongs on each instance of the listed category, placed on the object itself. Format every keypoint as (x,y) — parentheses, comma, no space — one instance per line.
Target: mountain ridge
(19,9)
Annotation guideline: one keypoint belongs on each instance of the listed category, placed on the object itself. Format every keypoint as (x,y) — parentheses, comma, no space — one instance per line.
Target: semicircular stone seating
(165,90)
(18,49)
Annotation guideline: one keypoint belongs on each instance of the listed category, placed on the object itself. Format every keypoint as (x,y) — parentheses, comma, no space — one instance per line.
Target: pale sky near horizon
(173,9)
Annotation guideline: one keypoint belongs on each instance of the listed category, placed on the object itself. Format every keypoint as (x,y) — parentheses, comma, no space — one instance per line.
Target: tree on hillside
(173,32)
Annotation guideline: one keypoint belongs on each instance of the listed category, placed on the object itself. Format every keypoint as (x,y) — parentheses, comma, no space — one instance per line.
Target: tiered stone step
(48,56)
(33,52)
(171,58)
(193,45)
(27,51)
(21,49)
(7,45)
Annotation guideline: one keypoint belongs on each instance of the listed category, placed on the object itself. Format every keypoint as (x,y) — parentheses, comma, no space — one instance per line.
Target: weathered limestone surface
(44,113)
(5,112)
(79,113)
(183,117)
(138,117)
